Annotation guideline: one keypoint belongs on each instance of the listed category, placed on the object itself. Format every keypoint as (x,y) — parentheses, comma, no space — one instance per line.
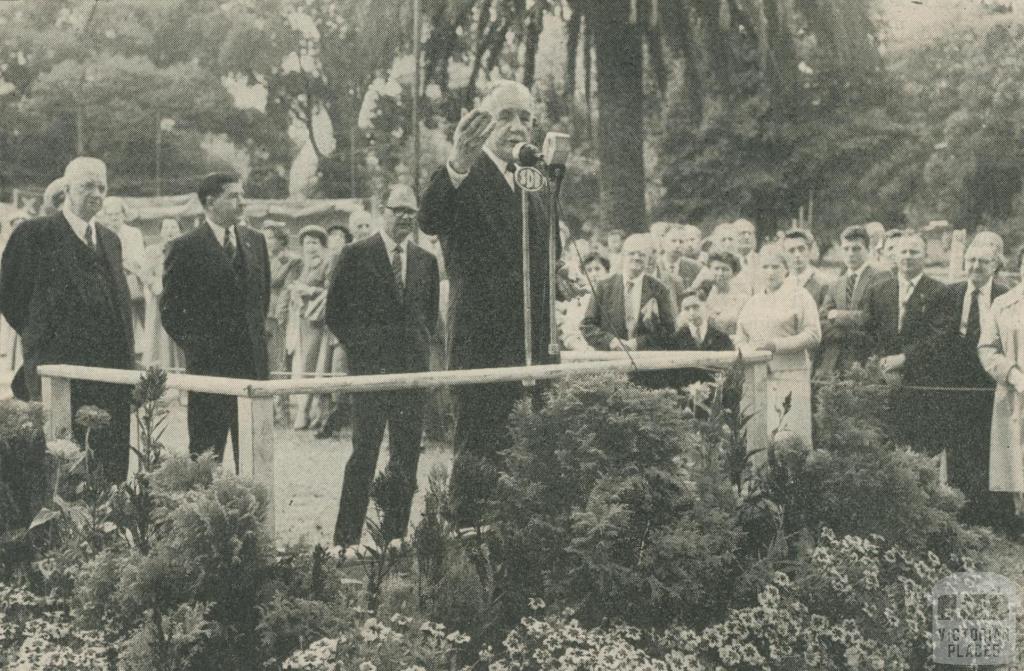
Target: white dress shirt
(632,299)
(984,303)
(458,177)
(389,247)
(82,228)
(699,333)
(218,233)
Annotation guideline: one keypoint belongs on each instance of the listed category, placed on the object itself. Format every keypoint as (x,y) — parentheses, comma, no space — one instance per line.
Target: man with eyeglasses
(382,306)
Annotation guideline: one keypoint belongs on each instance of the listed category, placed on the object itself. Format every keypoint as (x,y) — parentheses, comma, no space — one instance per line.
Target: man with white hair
(62,288)
(630,310)
(962,414)
(473,205)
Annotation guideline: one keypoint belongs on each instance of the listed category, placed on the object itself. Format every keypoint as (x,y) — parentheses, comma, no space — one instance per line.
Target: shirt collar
(639,278)
(390,244)
(78,225)
(912,282)
(701,333)
(218,231)
(502,165)
(983,290)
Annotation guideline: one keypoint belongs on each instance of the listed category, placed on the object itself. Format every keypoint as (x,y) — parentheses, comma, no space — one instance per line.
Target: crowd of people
(949,350)
(379,293)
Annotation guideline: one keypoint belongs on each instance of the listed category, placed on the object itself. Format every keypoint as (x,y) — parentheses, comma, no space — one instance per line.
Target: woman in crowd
(309,295)
(726,297)
(158,349)
(783,319)
(1001,351)
(594,268)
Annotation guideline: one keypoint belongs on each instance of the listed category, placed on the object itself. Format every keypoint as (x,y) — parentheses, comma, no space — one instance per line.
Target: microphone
(526,154)
(556,149)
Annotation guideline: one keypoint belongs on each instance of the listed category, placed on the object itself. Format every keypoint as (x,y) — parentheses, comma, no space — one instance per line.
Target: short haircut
(856,232)
(893,233)
(699,292)
(213,185)
(800,234)
(596,256)
(616,231)
(774,251)
(728,258)
(83,164)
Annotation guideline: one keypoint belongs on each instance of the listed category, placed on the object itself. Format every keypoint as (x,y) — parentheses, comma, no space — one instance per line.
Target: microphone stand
(527,299)
(554,186)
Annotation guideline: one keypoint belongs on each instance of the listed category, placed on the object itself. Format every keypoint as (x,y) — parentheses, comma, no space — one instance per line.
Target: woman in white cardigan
(783,319)
(1001,351)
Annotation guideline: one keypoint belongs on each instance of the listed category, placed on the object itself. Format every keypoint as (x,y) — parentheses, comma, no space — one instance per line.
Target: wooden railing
(256,397)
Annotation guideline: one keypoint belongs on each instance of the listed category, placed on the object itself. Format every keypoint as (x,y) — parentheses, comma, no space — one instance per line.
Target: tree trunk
(620,127)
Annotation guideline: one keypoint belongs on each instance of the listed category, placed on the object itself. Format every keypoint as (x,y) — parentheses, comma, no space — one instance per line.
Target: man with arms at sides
(382,305)
(963,419)
(473,205)
(797,245)
(63,289)
(675,244)
(843,339)
(630,310)
(901,319)
(215,303)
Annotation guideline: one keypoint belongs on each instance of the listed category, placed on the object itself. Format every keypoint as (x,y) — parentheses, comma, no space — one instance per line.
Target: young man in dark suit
(473,205)
(693,333)
(902,320)
(215,303)
(383,306)
(630,310)
(843,340)
(63,289)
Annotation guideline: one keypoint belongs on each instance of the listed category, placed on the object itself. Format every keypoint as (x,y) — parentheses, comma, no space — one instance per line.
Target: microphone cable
(557,173)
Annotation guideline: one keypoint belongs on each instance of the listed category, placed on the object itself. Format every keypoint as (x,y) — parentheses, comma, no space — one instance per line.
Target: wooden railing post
(755,403)
(56,392)
(256,446)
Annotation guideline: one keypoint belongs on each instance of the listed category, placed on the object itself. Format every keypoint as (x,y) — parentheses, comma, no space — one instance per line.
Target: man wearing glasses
(382,306)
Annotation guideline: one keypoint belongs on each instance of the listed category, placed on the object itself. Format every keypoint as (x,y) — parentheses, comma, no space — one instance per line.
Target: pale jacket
(1000,349)
(789,316)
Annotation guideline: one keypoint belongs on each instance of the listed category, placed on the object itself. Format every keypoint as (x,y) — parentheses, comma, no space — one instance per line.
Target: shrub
(23,474)
(609,507)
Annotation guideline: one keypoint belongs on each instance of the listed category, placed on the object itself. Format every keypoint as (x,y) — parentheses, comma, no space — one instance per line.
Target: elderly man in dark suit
(62,288)
(473,205)
(902,319)
(843,340)
(382,305)
(963,418)
(215,303)
(629,310)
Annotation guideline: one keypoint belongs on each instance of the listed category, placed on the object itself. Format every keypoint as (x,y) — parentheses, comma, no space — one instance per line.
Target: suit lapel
(215,250)
(858,289)
(382,266)
(618,303)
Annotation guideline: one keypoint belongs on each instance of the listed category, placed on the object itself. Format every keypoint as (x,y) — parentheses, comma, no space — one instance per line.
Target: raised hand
(470,136)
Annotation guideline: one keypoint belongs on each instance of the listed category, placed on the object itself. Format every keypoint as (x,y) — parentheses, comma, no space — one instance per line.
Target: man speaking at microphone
(474,206)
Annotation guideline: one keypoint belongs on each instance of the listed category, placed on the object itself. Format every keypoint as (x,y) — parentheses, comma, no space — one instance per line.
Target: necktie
(632,309)
(851,284)
(904,301)
(973,331)
(90,237)
(510,168)
(396,268)
(229,246)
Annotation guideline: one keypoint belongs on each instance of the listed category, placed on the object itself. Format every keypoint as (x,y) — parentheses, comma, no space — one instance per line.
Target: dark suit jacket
(817,288)
(920,326)
(57,313)
(682,340)
(217,316)
(843,339)
(480,228)
(960,366)
(382,331)
(688,270)
(606,314)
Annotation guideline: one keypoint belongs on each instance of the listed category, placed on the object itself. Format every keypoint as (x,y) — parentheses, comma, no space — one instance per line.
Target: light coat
(1001,349)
